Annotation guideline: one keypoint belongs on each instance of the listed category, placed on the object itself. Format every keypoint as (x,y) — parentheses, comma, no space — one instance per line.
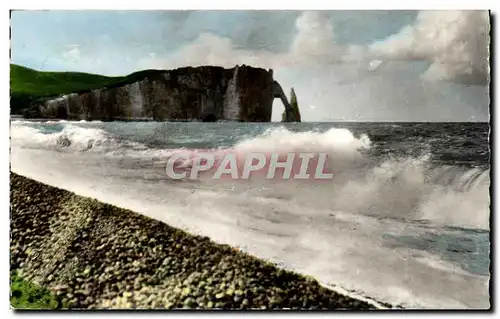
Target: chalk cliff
(205,93)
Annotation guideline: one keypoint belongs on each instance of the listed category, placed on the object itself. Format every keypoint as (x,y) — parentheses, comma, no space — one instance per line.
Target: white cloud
(314,44)
(315,38)
(455,42)
(374,64)
(72,54)
(209,49)
(371,82)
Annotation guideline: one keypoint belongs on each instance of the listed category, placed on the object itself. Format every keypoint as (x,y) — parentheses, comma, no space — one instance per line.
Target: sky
(343,65)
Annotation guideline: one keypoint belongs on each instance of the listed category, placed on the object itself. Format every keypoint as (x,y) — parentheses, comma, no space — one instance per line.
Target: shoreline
(97,256)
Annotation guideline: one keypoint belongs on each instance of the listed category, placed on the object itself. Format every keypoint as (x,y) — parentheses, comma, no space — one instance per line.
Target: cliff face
(205,93)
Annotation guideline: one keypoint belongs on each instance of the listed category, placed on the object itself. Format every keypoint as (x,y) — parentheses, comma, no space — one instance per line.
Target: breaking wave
(65,137)
(407,187)
(404,188)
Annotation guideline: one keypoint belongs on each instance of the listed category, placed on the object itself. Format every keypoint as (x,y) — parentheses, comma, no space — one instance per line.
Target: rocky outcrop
(292,112)
(206,93)
(278,93)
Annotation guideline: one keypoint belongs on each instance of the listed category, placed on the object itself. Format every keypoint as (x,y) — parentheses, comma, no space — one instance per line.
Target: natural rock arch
(209,118)
(61,112)
(289,114)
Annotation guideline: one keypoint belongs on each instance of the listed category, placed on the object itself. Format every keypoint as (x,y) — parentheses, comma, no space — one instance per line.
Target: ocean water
(405,219)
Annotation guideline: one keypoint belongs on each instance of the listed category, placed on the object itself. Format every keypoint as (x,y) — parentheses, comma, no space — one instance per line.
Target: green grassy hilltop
(28,85)
(37,83)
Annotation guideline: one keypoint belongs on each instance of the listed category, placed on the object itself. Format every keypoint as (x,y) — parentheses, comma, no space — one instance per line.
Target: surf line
(298,166)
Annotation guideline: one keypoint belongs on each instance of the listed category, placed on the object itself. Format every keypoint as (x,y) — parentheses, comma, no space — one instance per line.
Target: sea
(405,220)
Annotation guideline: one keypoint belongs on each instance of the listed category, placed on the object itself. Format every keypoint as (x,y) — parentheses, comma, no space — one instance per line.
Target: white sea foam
(333,231)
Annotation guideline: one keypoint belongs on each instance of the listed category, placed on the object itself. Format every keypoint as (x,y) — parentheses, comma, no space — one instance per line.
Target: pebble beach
(97,256)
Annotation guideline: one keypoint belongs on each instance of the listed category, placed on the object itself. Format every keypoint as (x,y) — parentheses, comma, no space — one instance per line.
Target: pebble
(98,256)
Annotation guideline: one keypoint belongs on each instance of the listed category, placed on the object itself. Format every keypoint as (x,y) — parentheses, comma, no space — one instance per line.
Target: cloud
(364,82)
(315,38)
(374,65)
(314,44)
(208,49)
(393,93)
(456,43)
(72,54)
